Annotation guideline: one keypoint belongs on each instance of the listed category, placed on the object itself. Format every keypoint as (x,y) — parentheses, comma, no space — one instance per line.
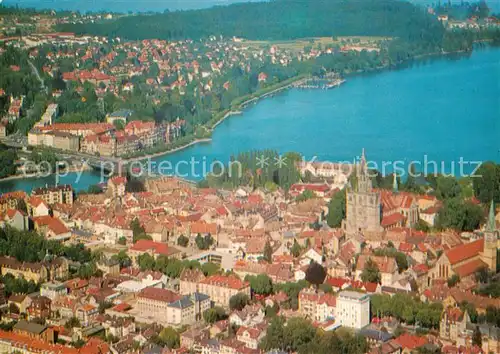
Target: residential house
(37,207)
(190,280)
(453,323)
(53,290)
(39,308)
(221,288)
(16,219)
(34,331)
(154,249)
(318,306)
(250,336)
(387,266)
(62,194)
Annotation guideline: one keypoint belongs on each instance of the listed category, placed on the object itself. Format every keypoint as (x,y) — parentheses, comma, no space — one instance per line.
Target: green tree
(238,301)
(146,262)
(298,332)
(486,182)
(453,280)
(275,335)
(296,249)
(459,215)
(261,284)
(169,337)
(182,241)
(305,195)
(371,273)
(214,314)
(204,242)
(138,231)
(268,252)
(210,268)
(122,241)
(336,210)
(315,274)
(447,188)
(72,322)
(119,125)
(123,259)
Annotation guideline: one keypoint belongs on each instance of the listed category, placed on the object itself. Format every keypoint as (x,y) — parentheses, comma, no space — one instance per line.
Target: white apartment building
(353,309)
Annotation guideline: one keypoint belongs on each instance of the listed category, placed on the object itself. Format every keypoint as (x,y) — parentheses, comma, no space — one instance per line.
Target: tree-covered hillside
(278,19)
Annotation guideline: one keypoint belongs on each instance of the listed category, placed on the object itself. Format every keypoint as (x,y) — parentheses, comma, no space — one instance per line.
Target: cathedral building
(374,211)
(363,206)
(466,259)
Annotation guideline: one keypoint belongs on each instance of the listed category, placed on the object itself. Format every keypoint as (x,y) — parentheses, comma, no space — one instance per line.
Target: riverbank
(162,153)
(237,109)
(72,169)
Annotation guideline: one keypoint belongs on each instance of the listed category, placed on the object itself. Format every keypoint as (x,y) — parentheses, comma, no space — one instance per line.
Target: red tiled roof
(226,281)
(465,251)
(25,343)
(36,201)
(202,227)
(254,333)
(421,268)
(52,223)
(119,180)
(392,219)
(157,247)
(158,294)
(408,341)
(405,247)
(385,264)
(469,268)
(122,307)
(337,282)
(12,212)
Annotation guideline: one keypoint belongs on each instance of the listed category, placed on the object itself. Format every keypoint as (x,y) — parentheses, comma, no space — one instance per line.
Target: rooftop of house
(157,294)
(354,295)
(30,327)
(465,251)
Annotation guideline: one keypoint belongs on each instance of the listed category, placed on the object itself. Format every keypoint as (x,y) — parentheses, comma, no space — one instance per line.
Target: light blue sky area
(120,5)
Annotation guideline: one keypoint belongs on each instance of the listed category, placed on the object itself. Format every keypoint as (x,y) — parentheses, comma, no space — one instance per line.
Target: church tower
(363,211)
(489,254)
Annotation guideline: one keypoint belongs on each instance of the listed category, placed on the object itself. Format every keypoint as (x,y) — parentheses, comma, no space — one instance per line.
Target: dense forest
(279,19)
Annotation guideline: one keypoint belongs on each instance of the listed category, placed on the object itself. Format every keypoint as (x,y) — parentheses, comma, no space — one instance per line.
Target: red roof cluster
(225,281)
(158,294)
(156,247)
(465,251)
(84,75)
(408,341)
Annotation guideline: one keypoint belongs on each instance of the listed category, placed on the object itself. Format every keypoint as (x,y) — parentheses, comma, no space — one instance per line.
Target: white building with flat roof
(353,309)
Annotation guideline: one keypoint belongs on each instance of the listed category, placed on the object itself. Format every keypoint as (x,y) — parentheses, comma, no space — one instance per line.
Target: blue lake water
(445,108)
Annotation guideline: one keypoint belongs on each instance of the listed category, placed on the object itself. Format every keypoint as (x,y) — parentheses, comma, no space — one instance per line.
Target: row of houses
(103,139)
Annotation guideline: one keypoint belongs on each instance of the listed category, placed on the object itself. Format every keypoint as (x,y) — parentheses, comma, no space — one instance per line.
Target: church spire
(363,159)
(491,225)
(395,182)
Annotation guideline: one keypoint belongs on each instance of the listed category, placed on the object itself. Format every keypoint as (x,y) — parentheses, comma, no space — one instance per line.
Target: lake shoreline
(254,100)
(247,103)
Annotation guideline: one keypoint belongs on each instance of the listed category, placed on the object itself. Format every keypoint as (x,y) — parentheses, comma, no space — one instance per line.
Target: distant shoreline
(284,86)
(167,152)
(71,169)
